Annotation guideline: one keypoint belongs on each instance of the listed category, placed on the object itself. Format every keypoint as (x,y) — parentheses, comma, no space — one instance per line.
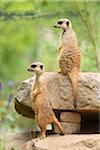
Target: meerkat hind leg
(42,126)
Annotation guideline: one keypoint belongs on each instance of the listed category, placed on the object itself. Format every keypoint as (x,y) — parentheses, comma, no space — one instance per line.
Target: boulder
(69,128)
(60,93)
(70,142)
(26,141)
(70,117)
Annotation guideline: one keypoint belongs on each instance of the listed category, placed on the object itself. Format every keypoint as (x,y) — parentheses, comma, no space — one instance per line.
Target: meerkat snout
(63,24)
(31,68)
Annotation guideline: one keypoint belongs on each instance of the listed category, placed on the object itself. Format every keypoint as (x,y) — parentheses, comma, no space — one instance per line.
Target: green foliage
(27,34)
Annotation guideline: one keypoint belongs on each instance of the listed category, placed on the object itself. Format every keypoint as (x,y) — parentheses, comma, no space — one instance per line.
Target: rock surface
(69,128)
(70,117)
(24,141)
(60,93)
(70,142)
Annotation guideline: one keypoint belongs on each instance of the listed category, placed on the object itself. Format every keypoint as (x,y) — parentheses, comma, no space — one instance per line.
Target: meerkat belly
(68,59)
(45,112)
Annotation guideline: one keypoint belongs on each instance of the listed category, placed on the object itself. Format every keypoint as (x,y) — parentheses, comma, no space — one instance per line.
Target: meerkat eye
(41,67)
(33,66)
(60,22)
(67,23)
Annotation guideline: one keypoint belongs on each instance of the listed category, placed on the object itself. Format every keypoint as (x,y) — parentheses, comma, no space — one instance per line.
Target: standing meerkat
(40,103)
(69,54)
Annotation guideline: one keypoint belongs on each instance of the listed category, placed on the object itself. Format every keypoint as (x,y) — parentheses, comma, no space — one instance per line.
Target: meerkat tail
(74,76)
(59,126)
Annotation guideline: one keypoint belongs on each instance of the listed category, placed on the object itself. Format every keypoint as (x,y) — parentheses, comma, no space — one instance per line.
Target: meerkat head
(36,67)
(63,24)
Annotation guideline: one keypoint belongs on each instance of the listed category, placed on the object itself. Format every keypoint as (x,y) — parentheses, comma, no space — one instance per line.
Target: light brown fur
(41,105)
(69,56)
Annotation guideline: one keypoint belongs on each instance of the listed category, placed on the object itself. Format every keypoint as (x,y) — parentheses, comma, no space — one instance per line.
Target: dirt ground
(25,141)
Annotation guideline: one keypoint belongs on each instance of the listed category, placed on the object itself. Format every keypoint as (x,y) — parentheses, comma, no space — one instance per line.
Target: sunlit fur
(40,102)
(69,56)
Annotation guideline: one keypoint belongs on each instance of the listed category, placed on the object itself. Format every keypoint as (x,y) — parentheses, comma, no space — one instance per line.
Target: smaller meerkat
(69,54)
(40,102)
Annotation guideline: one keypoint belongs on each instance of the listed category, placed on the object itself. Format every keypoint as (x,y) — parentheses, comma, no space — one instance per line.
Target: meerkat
(40,104)
(69,54)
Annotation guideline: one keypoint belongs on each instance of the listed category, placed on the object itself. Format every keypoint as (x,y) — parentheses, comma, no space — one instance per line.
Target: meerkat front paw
(59,71)
(60,47)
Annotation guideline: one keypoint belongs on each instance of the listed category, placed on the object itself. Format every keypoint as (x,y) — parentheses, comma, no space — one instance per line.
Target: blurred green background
(27,34)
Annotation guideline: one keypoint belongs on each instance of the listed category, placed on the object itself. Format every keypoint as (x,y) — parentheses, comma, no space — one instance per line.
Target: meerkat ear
(67,23)
(41,67)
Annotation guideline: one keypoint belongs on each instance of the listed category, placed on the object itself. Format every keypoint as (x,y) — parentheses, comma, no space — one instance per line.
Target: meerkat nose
(55,26)
(28,69)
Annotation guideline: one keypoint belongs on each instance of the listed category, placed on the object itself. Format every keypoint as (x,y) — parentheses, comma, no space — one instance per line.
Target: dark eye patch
(60,22)
(33,66)
(67,23)
(41,67)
